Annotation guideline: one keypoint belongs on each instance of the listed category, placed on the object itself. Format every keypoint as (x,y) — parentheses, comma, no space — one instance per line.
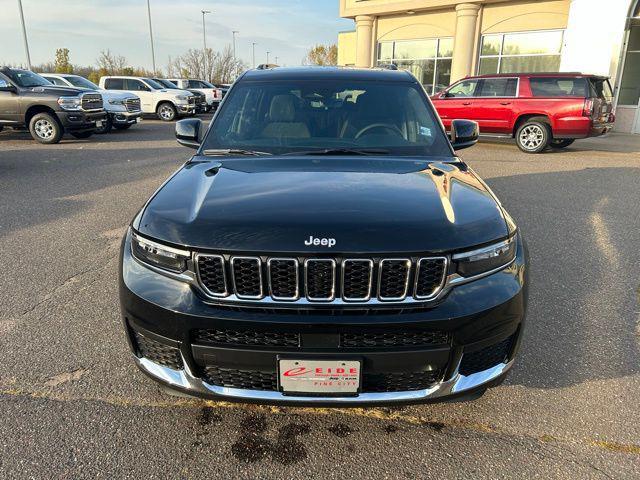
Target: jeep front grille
(320,280)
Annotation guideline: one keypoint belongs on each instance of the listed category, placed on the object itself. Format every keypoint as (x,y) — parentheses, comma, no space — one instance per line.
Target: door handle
(466,103)
(505,103)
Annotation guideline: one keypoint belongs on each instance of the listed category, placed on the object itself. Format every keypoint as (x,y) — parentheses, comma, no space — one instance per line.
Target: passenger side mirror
(464,134)
(189,132)
(6,86)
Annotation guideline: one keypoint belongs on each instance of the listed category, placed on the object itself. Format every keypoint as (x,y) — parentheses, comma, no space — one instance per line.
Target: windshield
(155,85)
(81,82)
(165,83)
(26,78)
(294,116)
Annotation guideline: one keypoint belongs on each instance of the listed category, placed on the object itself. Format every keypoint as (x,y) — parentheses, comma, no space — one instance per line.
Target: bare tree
(111,64)
(215,67)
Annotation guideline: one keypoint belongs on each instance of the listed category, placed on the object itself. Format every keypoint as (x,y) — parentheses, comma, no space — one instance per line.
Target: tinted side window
(558,87)
(133,84)
(498,87)
(195,84)
(56,81)
(114,84)
(465,88)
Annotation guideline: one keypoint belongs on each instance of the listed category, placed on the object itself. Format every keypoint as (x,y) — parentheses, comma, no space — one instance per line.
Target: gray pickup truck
(29,101)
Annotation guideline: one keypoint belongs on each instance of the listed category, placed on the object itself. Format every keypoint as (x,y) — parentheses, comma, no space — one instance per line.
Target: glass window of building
(429,60)
(629,93)
(521,52)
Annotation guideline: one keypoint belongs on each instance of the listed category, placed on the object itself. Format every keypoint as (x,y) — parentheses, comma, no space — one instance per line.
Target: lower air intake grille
(393,339)
(158,352)
(247,337)
(485,358)
(245,379)
(399,382)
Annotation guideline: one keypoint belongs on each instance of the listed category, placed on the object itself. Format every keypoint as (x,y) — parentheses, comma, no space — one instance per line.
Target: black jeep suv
(29,100)
(324,246)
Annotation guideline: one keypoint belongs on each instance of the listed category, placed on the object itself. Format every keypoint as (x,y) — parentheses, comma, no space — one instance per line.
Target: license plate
(138,119)
(99,123)
(318,377)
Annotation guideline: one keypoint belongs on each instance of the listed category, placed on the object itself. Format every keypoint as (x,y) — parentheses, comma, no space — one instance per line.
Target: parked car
(324,246)
(167,103)
(214,93)
(123,108)
(28,100)
(537,109)
(201,99)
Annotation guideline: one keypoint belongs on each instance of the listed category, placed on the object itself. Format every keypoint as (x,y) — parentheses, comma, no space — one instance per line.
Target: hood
(58,90)
(115,95)
(174,91)
(366,204)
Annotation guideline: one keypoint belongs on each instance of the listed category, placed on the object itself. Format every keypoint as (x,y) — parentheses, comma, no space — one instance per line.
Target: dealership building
(441,41)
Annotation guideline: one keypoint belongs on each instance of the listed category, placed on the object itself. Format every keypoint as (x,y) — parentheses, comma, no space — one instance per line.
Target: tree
(62,64)
(322,55)
(111,64)
(215,67)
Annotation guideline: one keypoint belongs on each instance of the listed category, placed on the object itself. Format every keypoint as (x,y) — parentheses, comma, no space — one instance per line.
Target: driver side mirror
(189,132)
(6,86)
(464,134)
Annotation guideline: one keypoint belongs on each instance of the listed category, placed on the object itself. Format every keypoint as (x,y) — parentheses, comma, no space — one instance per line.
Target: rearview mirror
(464,134)
(189,132)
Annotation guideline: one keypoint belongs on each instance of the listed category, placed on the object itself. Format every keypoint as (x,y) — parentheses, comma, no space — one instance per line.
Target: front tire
(533,136)
(45,128)
(107,124)
(166,112)
(561,142)
(82,135)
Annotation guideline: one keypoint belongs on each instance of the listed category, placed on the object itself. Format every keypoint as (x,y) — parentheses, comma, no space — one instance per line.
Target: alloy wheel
(531,137)
(166,112)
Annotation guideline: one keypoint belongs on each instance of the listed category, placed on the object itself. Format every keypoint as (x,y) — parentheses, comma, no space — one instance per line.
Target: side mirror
(464,134)
(189,132)
(6,86)
(446,94)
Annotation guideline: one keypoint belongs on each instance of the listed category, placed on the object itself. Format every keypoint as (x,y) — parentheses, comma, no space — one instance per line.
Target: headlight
(469,264)
(158,255)
(116,102)
(183,97)
(70,103)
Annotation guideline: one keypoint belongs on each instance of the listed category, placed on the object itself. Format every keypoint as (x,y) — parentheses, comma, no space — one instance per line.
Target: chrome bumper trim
(185,380)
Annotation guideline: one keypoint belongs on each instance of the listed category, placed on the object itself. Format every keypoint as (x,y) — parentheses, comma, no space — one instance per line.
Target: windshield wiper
(232,151)
(343,151)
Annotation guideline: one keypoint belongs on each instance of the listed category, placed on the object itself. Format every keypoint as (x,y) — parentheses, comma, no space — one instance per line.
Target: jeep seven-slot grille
(91,101)
(321,280)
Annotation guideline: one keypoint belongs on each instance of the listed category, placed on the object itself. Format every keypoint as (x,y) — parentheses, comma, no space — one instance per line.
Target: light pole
(268,57)
(24,35)
(234,32)
(204,44)
(153,53)
(253,53)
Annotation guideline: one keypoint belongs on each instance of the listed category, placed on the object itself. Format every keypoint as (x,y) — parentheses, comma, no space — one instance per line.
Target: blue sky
(286,28)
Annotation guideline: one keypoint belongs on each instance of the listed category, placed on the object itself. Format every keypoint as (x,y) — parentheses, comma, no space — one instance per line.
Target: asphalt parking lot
(73,405)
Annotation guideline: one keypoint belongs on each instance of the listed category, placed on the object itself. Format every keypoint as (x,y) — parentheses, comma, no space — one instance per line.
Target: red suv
(538,109)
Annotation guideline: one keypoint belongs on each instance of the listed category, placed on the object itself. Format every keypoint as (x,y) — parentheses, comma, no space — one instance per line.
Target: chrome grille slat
(211,274)
(247,277)
(393,279)
(319,279)
(430,277)
(357,279)
(284,283)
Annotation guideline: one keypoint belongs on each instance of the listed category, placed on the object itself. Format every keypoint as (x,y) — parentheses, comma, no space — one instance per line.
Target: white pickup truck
(166,103)
(213,94)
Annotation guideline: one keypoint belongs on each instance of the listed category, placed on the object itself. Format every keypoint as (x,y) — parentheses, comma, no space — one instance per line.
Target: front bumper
(81,120)
(186,109)
(480,319)
(125,118)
